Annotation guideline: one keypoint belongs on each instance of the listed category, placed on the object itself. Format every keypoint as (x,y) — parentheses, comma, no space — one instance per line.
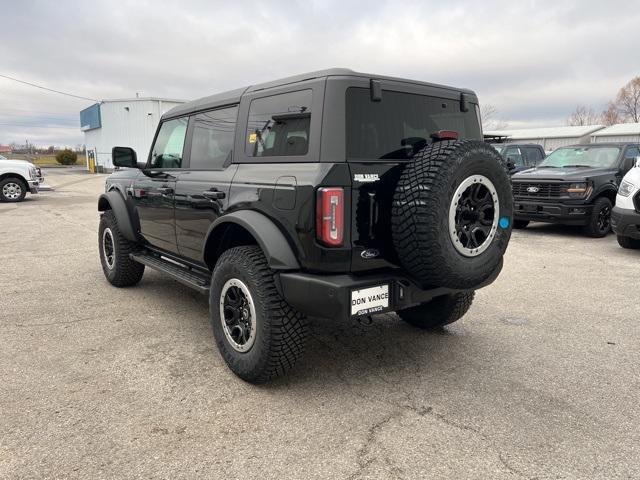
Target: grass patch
(43,159)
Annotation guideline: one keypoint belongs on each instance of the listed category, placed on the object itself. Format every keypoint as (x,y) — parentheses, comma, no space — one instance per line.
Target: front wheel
(438,312)
(12,190)
(599,224)
(258,334)
(628,242)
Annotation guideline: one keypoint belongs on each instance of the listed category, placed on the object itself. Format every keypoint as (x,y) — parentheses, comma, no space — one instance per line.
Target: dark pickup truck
(333,194)
(520,156)
(574,185)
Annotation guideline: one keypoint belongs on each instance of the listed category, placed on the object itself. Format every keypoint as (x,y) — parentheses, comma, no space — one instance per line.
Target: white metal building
(129,122)
(622,132)
(550,138)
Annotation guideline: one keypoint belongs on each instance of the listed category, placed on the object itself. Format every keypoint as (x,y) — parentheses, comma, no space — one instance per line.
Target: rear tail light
(330,216)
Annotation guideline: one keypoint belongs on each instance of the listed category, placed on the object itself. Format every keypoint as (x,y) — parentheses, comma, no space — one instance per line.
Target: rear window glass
(278,125)
(401,123)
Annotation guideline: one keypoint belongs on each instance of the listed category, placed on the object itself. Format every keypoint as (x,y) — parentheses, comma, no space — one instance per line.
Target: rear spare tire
(452,214)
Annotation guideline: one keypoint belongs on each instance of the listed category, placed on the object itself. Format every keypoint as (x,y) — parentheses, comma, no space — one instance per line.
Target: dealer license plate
(370,300)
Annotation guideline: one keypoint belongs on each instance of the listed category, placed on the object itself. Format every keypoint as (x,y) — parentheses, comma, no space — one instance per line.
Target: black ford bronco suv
(574,185)
(333,194)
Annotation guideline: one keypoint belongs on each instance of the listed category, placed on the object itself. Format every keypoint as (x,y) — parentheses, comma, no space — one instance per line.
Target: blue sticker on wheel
(504,222)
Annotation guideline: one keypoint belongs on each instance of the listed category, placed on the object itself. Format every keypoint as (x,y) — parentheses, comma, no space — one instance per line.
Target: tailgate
(372,188)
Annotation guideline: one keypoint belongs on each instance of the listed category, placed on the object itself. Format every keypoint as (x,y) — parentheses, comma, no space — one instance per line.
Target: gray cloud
(534,61)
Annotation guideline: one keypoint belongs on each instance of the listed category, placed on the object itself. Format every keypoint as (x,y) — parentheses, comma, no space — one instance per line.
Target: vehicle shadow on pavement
(540,229)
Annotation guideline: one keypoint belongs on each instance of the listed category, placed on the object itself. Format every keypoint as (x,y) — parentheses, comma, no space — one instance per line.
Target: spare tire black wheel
(452,214)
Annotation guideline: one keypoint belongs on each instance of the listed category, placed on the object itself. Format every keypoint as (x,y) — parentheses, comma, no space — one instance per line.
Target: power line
(48,89)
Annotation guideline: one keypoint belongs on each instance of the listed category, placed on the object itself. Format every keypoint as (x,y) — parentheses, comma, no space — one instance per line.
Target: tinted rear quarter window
(213,136)
(401,123)
(278,125)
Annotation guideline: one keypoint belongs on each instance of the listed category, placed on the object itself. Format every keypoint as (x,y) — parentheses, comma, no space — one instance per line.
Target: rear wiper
(576,166)
(547,166)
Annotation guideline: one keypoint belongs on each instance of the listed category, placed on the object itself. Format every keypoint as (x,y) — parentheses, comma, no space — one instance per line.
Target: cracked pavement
(539,380)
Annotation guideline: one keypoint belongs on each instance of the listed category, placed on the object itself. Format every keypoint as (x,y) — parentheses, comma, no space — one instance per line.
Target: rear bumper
(329,296)
(568,214)
(625,222)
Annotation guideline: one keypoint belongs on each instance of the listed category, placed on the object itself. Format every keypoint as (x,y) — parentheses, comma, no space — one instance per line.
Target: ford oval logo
(370,253)
(533,189)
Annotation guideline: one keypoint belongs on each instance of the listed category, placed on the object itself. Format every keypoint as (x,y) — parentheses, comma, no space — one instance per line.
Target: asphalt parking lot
(539,380)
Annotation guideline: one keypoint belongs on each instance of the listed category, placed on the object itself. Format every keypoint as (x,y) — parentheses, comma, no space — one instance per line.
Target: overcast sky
(532,60)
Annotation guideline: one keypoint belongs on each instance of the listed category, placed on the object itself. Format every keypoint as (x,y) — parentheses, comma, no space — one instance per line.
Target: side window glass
(632,152)
(212,141)
(167,150)
(533,155)
(279,125)
(514,155)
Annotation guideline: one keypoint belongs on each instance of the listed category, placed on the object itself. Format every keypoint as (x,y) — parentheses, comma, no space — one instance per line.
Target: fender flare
(604,189)
(113,201)
(271,240)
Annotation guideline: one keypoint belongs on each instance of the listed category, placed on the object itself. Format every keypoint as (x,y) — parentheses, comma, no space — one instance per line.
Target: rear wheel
(520,224)
(628,242)
(12,190)
(600,221)
(117,266)
(258,334)
(438,312)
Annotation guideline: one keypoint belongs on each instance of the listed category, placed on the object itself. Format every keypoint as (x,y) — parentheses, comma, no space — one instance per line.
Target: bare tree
(611,115)
(490,120)
(628,100)
(582,115)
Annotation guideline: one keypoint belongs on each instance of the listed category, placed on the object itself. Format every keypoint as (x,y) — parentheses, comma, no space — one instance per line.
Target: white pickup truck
(625,216)
(17,177)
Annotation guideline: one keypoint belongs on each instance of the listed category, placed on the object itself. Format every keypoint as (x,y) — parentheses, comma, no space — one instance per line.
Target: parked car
(625,217)
(333,194)
(520,156)
(17,177)
(575,185)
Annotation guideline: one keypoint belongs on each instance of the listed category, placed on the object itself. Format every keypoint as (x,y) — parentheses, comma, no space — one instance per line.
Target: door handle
(165,190)
(213,194)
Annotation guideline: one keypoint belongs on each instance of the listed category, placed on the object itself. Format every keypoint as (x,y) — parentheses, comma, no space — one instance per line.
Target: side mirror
(124,157)
(638,161)
(510,165)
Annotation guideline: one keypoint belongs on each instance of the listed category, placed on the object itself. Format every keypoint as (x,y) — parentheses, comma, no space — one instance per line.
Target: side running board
(191,277)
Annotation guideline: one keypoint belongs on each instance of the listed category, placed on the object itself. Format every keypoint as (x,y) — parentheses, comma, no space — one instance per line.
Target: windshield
(593,157)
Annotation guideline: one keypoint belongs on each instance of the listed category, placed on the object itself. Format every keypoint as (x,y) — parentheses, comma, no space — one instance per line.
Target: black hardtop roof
(233,96)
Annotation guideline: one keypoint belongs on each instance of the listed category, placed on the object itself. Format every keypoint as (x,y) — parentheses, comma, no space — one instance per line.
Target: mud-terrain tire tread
(282,331)
(422,196)
(438,312)
(126,272)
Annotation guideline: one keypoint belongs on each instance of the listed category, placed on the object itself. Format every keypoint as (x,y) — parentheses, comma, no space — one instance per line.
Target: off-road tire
(420,213)
(628,242)
(520,224)
(280,330)
(438,312)
(593,228)
(123,272)
(18,181)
